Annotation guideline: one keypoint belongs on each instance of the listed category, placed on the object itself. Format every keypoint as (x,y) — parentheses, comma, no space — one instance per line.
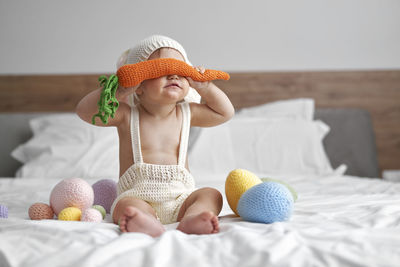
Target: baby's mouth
(172,85)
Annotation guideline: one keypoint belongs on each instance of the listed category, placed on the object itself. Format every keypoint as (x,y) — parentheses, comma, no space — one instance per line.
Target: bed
(327,134)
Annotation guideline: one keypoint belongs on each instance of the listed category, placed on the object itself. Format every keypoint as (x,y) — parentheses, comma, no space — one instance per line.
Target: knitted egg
(40,211)
(267,202)
(291,189)
(70,214)
(91,215)
(73,192)
(105,192)
(3,212)
(238,182)
(101,209)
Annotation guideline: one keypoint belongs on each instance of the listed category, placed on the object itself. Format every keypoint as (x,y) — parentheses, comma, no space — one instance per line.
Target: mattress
(337,221)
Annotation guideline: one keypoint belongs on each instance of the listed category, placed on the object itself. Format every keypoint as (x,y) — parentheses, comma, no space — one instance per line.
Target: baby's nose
(173,77)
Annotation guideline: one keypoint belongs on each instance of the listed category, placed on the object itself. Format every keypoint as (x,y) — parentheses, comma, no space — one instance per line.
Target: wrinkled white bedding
(337,221)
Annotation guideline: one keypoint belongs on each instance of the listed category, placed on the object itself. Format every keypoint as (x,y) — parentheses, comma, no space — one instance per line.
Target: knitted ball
(238,182)
(105,192)
(91,215)
(40,211)
(70,214)
(73,192)
(3,211)
(266,203)
(101,209)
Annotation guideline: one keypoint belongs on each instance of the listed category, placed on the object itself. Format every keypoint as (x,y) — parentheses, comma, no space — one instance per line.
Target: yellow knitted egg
(70,214)
(238,182)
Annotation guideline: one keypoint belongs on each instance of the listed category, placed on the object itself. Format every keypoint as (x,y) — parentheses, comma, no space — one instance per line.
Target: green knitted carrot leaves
(108,103)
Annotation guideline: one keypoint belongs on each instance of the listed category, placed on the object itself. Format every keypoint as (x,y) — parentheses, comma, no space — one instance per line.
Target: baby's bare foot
(203,223)
(135,220)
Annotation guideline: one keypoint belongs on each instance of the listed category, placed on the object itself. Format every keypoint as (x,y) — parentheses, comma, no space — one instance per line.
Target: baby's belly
(151,158)
(160,158)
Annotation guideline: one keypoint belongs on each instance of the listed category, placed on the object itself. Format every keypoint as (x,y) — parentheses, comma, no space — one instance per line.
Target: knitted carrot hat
(143,50)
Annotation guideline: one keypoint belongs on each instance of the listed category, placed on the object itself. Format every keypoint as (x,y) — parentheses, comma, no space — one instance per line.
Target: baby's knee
(125,202)
(213,194)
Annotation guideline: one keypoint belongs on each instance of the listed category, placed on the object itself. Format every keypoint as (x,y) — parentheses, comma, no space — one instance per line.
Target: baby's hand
(198,85)
(125,91)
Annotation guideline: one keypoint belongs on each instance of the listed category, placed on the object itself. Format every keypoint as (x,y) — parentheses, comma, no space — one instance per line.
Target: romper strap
(184,133)
(135,135)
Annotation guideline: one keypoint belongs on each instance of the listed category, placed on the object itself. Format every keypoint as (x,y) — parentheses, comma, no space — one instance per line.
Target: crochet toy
(40,211)
(72,200)
(3,212)
(91,215)
(105,192)
(266,203)
(257,201)
(133,74)
(70,214)
(291,189)
(73,192)
(238,182)
(101,210)
(108,103)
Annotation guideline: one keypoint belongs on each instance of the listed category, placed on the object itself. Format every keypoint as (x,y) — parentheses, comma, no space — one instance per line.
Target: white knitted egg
(91,215)
(72,192)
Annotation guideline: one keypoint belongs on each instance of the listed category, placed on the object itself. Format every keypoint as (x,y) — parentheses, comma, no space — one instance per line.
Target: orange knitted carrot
(133,74)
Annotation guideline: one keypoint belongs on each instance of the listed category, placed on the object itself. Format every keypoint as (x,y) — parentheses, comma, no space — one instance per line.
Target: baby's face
(166,89)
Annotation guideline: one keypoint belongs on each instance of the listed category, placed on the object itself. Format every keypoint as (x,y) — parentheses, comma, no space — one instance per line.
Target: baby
(155,186)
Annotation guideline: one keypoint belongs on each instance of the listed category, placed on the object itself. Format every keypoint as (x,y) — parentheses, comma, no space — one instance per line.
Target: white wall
(78,36)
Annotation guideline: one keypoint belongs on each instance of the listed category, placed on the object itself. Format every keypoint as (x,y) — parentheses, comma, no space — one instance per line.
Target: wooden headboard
(376,91)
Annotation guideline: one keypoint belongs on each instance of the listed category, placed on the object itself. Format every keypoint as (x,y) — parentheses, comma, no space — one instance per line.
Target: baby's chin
(175,95)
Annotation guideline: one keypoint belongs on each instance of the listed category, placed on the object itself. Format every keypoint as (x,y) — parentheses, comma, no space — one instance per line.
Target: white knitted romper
(164,187)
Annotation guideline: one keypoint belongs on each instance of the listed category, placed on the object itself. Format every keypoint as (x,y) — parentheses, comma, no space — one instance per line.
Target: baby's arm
(87,107)
(217,108)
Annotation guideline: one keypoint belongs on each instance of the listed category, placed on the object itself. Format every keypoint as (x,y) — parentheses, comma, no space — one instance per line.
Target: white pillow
(64,146)
(299,108)
(273,146)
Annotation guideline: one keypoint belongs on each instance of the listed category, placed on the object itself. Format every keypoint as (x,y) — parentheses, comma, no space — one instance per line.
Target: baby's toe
(215,224)
(122,224)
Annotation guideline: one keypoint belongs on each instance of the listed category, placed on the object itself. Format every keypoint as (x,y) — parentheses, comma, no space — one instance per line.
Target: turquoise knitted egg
(267,202)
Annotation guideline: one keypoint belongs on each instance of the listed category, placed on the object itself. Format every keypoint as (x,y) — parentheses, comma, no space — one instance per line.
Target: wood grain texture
(376,91)
(42,93)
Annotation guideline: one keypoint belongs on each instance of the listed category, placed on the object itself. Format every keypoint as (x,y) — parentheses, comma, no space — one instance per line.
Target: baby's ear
(139,90)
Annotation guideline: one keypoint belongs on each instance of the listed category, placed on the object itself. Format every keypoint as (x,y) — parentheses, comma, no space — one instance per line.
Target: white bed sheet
(337,221)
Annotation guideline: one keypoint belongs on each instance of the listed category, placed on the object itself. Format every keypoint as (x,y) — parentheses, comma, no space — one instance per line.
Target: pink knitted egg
(91,215)
(40,211)
(105,192)
(72,192)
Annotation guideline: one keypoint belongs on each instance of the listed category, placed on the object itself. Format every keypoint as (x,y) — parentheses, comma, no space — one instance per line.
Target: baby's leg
(198,214)
(135,215)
